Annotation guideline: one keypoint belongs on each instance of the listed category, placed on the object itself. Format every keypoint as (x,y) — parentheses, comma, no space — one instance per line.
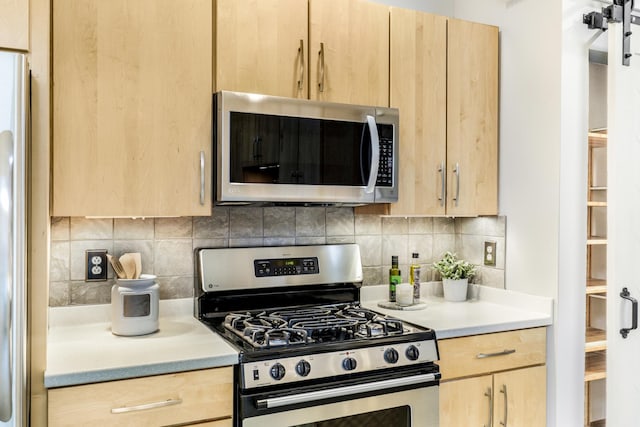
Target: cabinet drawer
(185,397)
(481,354)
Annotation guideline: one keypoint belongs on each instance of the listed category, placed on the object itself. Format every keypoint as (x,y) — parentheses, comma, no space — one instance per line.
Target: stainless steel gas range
(310,355)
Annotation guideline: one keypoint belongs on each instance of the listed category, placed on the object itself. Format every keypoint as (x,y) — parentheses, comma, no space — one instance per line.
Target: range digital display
(286,266)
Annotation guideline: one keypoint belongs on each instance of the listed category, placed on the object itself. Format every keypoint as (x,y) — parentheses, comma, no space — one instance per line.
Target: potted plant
(455,276)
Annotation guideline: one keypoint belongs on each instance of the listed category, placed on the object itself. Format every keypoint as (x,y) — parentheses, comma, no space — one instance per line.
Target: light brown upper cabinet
(444,80)
(14,24)
(330,50)
(261,46)
(349,52)
(472,119)
(419,90)
(132,85)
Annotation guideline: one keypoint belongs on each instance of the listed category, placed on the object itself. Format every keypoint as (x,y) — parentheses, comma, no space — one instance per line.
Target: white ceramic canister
(134,307)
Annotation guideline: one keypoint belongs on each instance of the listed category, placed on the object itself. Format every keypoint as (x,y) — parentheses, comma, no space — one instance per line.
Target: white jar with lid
(134,306)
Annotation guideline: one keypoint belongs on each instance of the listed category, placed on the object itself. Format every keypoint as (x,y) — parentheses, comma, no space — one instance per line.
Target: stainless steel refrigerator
(13,285)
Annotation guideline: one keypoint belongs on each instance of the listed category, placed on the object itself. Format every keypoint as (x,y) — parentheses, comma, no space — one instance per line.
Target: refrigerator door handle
(6,273)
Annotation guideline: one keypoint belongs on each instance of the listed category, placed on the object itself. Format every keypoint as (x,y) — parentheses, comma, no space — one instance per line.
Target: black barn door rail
(619,11)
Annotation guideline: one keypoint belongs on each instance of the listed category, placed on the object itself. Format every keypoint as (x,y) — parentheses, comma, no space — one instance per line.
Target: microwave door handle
(375,154)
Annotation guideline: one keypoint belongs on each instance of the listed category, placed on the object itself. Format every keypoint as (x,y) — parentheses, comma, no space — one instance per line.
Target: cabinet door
(472,119)
(520,397)
(418,90)
(132,107)
(467,402)
(261,47)
(349,57)
(14,24)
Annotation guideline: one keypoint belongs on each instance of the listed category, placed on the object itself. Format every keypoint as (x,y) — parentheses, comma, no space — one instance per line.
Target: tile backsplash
(167,244)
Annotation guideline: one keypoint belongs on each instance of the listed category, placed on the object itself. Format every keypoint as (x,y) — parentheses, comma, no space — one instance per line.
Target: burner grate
(267,338)
(295,326)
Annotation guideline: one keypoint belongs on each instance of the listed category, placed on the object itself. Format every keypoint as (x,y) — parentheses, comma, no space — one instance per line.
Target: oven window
(393,417)
(291,150)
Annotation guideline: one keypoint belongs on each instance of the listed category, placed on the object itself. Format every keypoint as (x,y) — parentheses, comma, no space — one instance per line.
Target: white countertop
(490,310)
(81,348)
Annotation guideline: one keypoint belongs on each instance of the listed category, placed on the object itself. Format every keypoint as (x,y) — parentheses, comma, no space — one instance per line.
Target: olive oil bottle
(395,278)
(414,277)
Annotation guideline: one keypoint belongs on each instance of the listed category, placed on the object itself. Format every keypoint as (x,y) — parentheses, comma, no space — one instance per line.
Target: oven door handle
(276,402)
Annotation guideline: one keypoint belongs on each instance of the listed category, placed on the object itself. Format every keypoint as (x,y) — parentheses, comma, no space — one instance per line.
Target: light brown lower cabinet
(197,398)
(494,380)
(512,398)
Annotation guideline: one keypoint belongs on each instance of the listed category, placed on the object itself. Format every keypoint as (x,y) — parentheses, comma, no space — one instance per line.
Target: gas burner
(239,322)
(326,329)
(268,338)
(381,326)
(355,311)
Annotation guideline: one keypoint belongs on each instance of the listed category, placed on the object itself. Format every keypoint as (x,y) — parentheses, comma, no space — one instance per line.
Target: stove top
(295,315)
(311,325)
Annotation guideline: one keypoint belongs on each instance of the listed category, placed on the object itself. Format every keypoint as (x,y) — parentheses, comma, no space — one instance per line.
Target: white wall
(530,51)
(598,95)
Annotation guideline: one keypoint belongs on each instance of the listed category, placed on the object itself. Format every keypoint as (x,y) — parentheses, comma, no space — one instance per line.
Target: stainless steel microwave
(288,151)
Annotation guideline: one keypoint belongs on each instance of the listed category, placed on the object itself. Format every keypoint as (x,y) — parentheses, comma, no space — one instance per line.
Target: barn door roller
(619,11)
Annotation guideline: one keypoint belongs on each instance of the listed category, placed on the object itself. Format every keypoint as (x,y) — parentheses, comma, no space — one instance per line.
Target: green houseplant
(455,276)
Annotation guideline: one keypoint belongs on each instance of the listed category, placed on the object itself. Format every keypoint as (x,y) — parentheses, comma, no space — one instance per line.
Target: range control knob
(277,371)
(349,364)
(391,355)
(303,368)
(412,352)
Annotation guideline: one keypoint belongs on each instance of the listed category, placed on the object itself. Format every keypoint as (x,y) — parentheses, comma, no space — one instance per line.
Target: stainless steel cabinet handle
(375,154)
(152,405)
(321,79)
(456,172)
(6,277)
(499,353)
(506,406)
(443,180)
(202,178)
(489,394)
(634,312)
(301,55)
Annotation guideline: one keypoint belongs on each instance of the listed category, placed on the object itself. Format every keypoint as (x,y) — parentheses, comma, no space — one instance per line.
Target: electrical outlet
(96,265)
(490,253)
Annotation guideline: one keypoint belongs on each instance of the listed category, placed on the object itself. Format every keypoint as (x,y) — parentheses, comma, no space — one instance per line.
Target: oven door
(405,401)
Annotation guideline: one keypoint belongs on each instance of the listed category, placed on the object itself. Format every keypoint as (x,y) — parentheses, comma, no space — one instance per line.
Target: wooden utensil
(129,265)
(137,258)
(117,267)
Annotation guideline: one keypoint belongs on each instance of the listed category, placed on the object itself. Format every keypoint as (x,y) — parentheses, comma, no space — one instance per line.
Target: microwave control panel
(385,166)
(286,267)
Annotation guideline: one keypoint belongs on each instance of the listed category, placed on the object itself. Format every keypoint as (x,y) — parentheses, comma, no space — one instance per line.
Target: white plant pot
(455,289)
